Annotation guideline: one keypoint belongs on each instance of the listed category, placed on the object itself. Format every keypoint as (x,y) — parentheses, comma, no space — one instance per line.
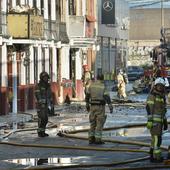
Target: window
(34,4)
(42,7)
(17,2)
(72,7)
(9,5)
(43,59)
(49,9)
(58,10)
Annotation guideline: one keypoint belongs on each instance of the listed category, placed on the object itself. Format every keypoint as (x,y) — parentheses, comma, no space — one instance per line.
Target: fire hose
(68,134)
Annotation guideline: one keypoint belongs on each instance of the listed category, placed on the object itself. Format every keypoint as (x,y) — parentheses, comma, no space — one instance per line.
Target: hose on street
(69,134)
(27,129)
(113,141)
(73,147)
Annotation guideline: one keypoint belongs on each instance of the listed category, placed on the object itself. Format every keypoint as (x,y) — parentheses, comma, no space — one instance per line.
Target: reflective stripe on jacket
(156,108)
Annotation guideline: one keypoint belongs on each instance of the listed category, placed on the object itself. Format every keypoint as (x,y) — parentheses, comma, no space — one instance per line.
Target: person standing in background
(43,96)
(121,84)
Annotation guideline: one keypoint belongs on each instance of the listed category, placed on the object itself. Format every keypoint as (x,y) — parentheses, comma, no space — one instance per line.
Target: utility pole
(162,14)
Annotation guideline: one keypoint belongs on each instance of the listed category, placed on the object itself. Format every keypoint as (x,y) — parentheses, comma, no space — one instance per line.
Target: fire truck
(160,56)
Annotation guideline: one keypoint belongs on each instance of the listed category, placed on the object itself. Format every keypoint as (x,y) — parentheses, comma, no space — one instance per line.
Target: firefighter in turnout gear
(86,77)
(121,84)
(43,96)
(96,98)
(157,121)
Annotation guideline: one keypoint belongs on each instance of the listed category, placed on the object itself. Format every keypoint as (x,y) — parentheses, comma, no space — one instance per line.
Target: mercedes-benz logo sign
(108,6)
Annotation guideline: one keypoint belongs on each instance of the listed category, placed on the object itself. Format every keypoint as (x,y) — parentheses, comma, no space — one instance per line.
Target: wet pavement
(75,117)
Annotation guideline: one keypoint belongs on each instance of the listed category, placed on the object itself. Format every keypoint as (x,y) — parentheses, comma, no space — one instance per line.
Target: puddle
(62,127)
(61,161)
(130,132)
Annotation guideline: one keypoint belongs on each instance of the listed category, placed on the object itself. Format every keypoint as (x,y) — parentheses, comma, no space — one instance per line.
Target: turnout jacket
(156,107)
(43,93)
(97,94)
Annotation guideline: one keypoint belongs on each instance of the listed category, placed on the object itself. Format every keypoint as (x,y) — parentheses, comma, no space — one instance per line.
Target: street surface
(74,117)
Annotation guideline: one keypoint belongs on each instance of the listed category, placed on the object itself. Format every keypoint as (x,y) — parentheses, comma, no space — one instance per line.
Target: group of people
(96,97)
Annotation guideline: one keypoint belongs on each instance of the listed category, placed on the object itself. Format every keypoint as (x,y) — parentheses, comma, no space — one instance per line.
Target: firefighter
(86,77)
(121,84)
(43,96)
(96,98)
(157,121)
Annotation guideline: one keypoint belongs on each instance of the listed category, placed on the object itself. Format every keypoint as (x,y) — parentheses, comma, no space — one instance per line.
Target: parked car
(134,72)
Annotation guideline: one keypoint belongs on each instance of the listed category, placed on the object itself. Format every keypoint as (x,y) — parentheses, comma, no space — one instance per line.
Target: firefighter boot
(157,158)
(99,141)
(45,134)
(91,140)
(151,154)
(40,134)
(168,156)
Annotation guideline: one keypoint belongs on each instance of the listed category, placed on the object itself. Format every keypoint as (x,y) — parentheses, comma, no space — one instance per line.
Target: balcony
(25,26)
(62,32)
(55,31)
(76,26)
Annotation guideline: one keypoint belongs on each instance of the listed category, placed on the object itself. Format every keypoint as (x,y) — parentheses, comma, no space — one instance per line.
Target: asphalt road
(75,117)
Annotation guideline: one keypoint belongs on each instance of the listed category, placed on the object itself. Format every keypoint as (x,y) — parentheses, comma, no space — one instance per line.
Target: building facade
(56,36)
(59,37)
(143,40)
(112,39)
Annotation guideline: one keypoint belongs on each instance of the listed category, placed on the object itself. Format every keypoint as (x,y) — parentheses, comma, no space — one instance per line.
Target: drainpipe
(14,103)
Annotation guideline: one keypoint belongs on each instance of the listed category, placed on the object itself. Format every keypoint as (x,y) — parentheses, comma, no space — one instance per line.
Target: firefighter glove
(165,124)
(87,107)
(149,125)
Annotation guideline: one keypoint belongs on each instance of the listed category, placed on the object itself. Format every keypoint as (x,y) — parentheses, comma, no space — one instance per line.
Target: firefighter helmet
(44,74)
(160,81)
(121,71)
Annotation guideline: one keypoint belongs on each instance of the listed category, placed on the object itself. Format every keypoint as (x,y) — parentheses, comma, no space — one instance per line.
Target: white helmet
(121,71)
(160,81)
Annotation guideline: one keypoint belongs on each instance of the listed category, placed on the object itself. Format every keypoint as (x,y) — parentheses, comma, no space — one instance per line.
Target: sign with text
(108,11)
